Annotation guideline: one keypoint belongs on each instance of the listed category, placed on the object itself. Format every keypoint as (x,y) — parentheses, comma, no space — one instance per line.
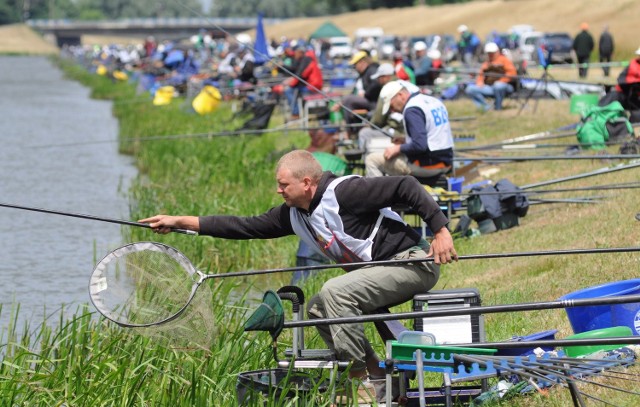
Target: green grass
(84,361)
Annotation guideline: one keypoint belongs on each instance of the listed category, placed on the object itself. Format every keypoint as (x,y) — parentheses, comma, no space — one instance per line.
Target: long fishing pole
(627,185)
(591,200)
(543,135)
(406,261)
(551,158)
(91,217)
(493,309)
(536,146)
(561,132)
(558,373)
(573,366)
(600,171)
(548,375)
(256,132)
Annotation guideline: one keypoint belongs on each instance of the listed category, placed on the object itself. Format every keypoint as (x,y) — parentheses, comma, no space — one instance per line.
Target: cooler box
(453,329)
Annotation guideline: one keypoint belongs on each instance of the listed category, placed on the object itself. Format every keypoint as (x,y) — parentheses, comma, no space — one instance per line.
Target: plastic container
(612,332)
(589,318)
(416,338)
(455,184)
(539,336)
(207,100)
(580,103)
(163,96)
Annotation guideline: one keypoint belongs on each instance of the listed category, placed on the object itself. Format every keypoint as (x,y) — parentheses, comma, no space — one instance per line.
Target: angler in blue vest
(347,219)
(427,151)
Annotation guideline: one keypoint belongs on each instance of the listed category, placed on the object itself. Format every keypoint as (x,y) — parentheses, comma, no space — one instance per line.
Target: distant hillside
(20,39)
(622,16)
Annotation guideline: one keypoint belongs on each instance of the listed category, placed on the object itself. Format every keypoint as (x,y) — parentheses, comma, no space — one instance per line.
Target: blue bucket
(589,318)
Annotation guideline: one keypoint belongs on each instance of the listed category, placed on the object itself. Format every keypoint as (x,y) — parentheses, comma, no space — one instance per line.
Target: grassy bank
(85,361)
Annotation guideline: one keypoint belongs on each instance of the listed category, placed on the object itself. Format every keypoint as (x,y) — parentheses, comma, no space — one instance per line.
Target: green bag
(597,121)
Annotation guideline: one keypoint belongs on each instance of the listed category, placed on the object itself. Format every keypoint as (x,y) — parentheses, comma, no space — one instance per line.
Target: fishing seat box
(451,329)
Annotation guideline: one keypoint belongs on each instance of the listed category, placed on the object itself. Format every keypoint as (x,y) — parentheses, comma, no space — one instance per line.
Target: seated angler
(427,151)
(495,79)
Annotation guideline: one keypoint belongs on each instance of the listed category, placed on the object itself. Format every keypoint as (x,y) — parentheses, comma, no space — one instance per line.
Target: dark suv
(556,47)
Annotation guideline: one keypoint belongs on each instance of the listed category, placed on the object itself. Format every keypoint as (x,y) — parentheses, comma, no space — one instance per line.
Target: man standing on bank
(348,219)
(583,44)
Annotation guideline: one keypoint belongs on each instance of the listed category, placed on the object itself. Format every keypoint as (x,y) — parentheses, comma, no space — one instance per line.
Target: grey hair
(302,164)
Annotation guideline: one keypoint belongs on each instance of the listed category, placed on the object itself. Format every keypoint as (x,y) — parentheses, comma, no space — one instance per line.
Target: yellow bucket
(101,70)
(121,76)
(163,95)
(207,100)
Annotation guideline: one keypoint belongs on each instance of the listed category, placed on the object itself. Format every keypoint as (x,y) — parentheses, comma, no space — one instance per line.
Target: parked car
(556,47)
(528,42)
(340,47)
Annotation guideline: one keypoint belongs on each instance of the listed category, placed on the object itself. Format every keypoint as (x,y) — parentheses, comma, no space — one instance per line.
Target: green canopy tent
(327,30)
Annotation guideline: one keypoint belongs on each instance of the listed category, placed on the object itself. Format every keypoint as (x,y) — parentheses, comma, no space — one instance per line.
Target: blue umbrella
(260,49)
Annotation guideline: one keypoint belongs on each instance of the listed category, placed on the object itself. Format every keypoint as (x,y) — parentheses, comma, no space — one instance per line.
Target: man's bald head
(302,164)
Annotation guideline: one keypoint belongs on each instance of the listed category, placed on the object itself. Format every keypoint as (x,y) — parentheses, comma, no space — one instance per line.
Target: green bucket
(583,350)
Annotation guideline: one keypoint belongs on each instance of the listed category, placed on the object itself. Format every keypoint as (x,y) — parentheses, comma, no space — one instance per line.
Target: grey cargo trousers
(362,291)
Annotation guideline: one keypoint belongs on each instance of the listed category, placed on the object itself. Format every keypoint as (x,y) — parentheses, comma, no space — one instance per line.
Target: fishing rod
(614,340)
(543,135)
(628,185)
(91,217)
(225,133)
(489,309)
(600,171)
(543,373)
(590,200)
(404,261)
(534,146)
(257,132)
(561,132)
(125,300)
(550,157)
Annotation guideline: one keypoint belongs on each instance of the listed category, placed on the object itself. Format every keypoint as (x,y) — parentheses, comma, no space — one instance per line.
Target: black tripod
(541,83)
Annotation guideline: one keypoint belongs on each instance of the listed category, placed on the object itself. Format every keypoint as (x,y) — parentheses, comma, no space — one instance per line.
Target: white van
(340,47)
(528,43)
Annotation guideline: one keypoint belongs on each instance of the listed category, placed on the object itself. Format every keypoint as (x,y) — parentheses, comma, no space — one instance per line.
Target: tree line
(15,11)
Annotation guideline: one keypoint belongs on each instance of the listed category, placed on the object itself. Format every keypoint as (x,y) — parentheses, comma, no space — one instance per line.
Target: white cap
(388,92)
(638,51)
(383,70)
(491,47)
(462,28)
(434,54)
(419,46)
